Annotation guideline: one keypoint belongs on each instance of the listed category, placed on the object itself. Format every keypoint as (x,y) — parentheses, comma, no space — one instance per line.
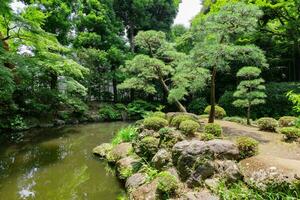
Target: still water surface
(57,164)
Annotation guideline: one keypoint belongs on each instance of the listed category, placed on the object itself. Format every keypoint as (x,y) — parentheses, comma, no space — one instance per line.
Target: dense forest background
(65,59)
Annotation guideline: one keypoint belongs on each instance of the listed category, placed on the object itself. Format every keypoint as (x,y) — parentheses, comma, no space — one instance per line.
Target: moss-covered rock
(135,181)
(155,123)
(127,166)
(267,124)
(102,149)
(189,127)
(213,129)
(167,183)
(119,151)
(161,159)
(146,147)
(169,137)
(147,191)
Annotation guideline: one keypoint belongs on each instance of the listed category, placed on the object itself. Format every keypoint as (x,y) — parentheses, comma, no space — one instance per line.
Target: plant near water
(127,134)
(250,91)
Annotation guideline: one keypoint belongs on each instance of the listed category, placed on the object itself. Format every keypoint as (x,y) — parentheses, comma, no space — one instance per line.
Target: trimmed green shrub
(109,113)
(155,123)
(287,121)
(236,119)
(219,111)
(247,146)
(213,129)
(189,127)
(127,134)
(167,183)
(290,132)
(176,121)
(198,105)
(206,136)
(267,124)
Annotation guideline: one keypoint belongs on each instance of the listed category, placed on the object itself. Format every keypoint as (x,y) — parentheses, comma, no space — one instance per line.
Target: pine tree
(250,91)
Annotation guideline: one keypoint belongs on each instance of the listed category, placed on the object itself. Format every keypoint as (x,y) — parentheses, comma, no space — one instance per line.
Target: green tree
(220,45)
(250,91)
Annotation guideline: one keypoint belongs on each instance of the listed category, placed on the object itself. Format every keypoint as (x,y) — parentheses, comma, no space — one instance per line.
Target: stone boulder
(102,149)
(145,192)
(161,159)
(200,173)
(135,181)
(260,171)
(228,170)
(202,195)
(119,151)
(127,166)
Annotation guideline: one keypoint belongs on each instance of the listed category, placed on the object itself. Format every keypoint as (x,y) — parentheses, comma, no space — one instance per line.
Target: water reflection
(59,165)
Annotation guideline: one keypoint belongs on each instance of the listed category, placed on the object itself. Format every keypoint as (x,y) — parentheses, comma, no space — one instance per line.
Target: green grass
(125,135)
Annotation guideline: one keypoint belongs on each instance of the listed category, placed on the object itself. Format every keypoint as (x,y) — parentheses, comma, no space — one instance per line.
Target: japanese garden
(150,99)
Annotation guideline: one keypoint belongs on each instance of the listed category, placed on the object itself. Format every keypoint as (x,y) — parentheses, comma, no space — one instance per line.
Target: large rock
(200,173)
(161,159)
(145,192)
(260,171)
(119,151)
(127,166)
(135,181)
(102,149)
(228,170)
(202,195)
(195,156)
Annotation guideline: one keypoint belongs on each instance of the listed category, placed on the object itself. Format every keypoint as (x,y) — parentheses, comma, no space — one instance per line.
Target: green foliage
(139,108)
(267,124)
(236,119)
(219,111)
(198,105)
(155,114)
(18,124)
(109,113)
(290,132)
(167,183)
(207,136)
(189,127)
(155,123)
(176,121)
(295,99)
(213,129)
(287,121)
(127,134)
(247,146)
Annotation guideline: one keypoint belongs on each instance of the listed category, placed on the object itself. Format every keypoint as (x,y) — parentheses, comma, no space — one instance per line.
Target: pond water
(57,164)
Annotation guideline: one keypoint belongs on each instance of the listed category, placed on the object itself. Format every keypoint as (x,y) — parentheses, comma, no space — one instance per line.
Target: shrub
(290,132)
(247,146)
(219,111)
(207,137)
(198,105)
(127,134)
(236,119)
(267,124)
(287,121)
(155,123)
(189,127)
(213,129)
(137,109)
(176,121)
(109,113)
(167,183)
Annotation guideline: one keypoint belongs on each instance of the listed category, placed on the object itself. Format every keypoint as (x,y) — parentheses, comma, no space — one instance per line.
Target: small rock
(119,151)
(161,159)
(103,149)
(223,149)
(212,183)
(135,181)
(145,192)
(173,172)
(228,170)
(203,195)
(59,122)
(127,166)
(201,173)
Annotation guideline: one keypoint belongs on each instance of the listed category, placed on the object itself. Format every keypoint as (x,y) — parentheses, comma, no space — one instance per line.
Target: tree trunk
(178,104)
(212,96)
(131,37)
(6,47)
(53,81)
(114,82)
(248,114)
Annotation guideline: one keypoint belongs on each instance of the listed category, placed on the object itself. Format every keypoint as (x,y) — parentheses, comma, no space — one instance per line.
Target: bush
(287,121)
(109,113)
(236,119)
(247,146)
(176,121)
(198,105)
(167,183)
(276,95)
(189,127)
(290,132)
(155,123)
(137,109)
(206,137)
(213,129)
(127,134)
(267,124)
(219,111)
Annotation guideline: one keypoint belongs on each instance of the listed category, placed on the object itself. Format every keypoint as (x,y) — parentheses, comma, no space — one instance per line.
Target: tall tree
(218,47)
(250,91)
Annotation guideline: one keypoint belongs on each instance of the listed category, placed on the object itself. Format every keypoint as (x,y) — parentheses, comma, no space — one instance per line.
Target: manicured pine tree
(250,91)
